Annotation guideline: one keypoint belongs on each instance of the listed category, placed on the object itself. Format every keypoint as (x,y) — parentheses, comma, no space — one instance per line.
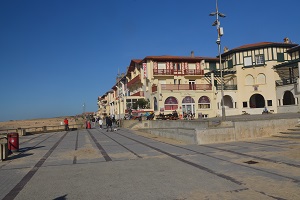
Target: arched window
(261,79)
(188,99)
(171,103)
(257,101)
(249,80)
(155,104)
(204,102)
(288,98)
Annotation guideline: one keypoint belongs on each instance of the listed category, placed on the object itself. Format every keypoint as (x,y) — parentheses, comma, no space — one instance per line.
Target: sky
(58,55)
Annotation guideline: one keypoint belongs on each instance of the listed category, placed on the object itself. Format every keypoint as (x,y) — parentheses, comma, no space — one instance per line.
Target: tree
(141,104)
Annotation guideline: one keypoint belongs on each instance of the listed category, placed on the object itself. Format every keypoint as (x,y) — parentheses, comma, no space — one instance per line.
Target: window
(179,81)
(259,60)
(280,57)
(261,79)
(269,102)
(245,104)
(175,81)
(247,61)
(171,103)
(212,66)
(249,80)
(230,64)
(204,102)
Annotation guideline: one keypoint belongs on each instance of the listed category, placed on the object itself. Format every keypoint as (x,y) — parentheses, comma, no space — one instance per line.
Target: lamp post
(220,34)
(119,96)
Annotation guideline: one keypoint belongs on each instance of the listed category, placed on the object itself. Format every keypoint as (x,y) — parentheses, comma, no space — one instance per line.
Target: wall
(207,132)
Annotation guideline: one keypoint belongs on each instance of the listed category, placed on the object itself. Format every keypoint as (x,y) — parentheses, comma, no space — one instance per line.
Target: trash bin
(13,141)
(3,149)
(89,125)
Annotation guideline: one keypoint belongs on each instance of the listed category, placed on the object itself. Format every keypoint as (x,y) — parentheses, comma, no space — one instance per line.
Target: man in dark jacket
(108,123)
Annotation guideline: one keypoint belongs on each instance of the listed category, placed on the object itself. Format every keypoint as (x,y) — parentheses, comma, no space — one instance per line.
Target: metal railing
(227,87)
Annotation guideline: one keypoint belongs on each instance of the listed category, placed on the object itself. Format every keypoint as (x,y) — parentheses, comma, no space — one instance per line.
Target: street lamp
(119,96)
(220,34)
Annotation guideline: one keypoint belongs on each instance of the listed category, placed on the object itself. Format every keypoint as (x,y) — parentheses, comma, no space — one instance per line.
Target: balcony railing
(178,72)
(140,94)
(227,87)
(134,80)
(286,81)
(186,87)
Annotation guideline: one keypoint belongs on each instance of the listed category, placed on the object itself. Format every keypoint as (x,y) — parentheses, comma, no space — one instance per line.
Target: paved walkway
(95,164)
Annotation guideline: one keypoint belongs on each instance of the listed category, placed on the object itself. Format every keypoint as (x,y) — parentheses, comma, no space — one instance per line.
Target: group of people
(188,116)
(109,121)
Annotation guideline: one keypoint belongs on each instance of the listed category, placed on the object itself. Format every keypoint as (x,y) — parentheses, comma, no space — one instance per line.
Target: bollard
(3,149)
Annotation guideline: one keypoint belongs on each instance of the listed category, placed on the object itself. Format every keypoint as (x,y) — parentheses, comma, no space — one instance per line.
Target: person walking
(100,121)
(66,122)
(108,124)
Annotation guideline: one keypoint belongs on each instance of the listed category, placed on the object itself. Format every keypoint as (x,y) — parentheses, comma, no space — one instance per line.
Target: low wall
(207,132)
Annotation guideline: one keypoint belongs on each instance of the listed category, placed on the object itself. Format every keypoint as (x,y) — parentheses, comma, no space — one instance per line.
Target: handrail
(41,128)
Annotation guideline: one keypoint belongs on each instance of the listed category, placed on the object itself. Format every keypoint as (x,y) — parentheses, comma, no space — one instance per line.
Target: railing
(140,94)
(134,80)
(186,87)
(163,71)
(39,129)
(227,87)
(286,81)
(178,72)
(194,72)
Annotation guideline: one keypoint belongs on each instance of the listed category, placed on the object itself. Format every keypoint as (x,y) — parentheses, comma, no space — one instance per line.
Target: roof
(259,45)
(180,58)
(297,48)
(285,64)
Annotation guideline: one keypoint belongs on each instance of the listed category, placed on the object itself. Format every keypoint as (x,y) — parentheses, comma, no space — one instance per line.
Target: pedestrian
(66,122)
(100,121)
(94,122)
(108,124)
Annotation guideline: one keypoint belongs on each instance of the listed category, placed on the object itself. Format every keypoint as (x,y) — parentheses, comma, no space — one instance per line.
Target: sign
(145,69)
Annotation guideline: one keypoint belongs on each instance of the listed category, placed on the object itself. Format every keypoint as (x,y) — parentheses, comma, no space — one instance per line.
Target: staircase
(293,133)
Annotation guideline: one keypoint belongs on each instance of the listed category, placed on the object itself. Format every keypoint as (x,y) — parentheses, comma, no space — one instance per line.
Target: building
(255,76)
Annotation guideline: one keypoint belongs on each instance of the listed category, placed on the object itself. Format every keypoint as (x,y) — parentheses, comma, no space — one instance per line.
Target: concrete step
(291,132)
(294,129)
(288,136)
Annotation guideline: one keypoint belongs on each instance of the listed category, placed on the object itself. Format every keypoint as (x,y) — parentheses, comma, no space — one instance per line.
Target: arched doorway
(227,101)
(288,98)
(188,105)
(257,101)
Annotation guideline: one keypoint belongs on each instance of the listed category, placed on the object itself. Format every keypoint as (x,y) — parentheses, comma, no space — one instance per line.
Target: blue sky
(56,55)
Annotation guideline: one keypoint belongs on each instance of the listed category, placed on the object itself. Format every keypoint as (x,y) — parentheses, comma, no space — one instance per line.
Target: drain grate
(250,162)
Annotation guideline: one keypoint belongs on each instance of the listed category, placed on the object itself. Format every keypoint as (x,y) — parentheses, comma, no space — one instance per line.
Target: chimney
(225,49)
(286,40)
(192,54)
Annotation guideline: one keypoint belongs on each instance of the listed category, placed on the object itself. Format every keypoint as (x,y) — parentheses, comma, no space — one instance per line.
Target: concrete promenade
(95,164)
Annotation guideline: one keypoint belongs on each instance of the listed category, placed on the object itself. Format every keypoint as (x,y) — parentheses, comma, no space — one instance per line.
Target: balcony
(135,80)
(178,72)
(227,87)
(139,94)
(186,87)
(194,72)
(286,81)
